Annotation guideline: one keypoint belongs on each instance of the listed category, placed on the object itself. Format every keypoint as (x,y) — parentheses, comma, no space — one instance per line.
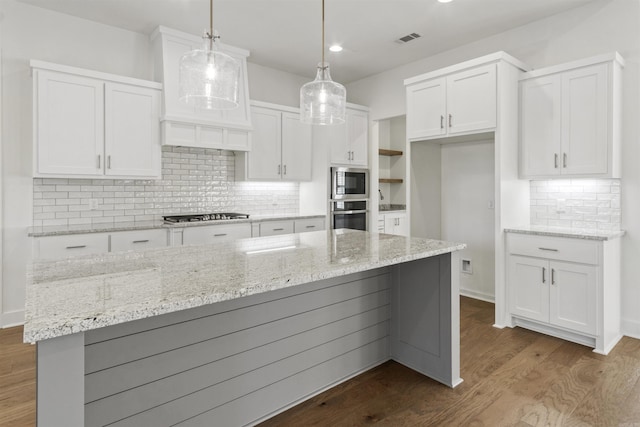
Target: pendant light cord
(323,66)
(211,17)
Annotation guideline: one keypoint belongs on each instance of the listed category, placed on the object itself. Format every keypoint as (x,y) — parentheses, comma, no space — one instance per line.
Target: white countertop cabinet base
(569,288)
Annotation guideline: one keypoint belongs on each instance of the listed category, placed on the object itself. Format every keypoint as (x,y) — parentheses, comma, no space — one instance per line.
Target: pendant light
(209,77)
(323,101)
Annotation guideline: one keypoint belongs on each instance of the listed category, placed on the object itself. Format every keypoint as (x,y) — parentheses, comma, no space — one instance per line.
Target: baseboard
(477,295)
(631,328)
(11,319)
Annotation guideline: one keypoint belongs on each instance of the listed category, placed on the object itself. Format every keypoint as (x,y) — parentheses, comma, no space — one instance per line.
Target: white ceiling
(286,34)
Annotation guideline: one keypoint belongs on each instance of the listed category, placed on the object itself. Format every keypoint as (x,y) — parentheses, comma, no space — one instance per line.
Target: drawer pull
(278,229)
(548,249)
(553,276)
(544,278)
(555,160)
(77,247)
(220,235)
(441,122)
(141,241)
(310,226)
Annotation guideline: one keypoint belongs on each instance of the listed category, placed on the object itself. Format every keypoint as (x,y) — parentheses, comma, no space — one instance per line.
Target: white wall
(598,27)
(467,171)
(33,33)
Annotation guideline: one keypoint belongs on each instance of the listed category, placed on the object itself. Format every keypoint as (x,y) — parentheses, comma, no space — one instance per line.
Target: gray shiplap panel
(174,387)
(143,371)
(132,347)
(211,397)
(266,402)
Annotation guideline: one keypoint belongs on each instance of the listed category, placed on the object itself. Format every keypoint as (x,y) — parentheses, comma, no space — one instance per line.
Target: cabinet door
(199,235)
(264,158)
(172,51)
(471,100)
(402,226)
(132,125)
(275,228)
(584,121)
(426,109)
(540,126)
(138,240)
(358,132)
(69,124)
(528,287)
(296,148)
(339,141)
(573,296)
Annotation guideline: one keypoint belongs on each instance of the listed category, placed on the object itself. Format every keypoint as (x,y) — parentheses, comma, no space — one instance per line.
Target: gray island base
(234,333)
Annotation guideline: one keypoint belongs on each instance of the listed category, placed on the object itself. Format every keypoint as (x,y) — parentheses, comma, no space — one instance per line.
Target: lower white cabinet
(59,247)
(202,235)
(274,228)
(562,287)
(138,239)
(393,223)
(308,224)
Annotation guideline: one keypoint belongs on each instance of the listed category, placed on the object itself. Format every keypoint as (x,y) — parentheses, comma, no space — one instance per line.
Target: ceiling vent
(408,38)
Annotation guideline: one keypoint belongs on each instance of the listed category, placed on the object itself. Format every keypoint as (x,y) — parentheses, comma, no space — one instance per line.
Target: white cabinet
(393,223)
(184,124)
(562,287)
(280,146)
(274,228)
(138,239)
(569,120)
(206,234)
(94,125)
(70,245)
(457,104)
(308,224)
(59,247)
(350,141)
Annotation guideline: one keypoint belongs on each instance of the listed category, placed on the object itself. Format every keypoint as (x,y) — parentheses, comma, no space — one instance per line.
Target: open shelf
(385,152)
(390,180)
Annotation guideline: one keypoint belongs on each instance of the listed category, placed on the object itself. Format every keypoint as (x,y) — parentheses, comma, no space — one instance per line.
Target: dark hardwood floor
(512,377)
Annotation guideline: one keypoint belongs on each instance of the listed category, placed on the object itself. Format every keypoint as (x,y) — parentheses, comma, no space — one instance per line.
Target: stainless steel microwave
(349,183)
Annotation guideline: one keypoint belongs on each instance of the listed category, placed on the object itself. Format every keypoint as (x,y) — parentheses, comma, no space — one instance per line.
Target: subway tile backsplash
(576,203)
(194,180)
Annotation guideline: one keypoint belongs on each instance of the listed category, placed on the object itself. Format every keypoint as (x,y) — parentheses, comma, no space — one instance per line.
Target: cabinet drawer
(555,248)
(215,233)
(310,224)
(59,247)
(139,239)
(273,228)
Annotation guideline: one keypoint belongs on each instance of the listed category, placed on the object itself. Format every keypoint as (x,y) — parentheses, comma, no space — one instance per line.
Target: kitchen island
(233,333)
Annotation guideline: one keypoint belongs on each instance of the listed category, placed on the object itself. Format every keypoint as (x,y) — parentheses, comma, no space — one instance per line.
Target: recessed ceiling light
(335,48)
(444,1)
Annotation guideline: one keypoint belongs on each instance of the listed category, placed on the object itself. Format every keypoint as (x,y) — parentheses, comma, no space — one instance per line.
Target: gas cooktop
(204,217)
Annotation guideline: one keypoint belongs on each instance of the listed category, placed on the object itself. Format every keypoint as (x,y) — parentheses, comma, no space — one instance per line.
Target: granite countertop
(94,291)
(587,234)
(61,230)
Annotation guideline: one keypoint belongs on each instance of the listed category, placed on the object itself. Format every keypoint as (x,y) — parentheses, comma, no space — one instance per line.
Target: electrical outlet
(93,204)
(561,206)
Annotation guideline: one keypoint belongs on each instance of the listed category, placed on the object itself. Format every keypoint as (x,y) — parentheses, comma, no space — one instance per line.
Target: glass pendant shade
(209,78)
(323,101)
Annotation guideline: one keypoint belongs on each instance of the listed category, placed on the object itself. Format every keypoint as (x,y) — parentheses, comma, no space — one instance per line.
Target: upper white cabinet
(280,146)
(569,119)
(94,125)
(350,141)
(186,125)
(459,103)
